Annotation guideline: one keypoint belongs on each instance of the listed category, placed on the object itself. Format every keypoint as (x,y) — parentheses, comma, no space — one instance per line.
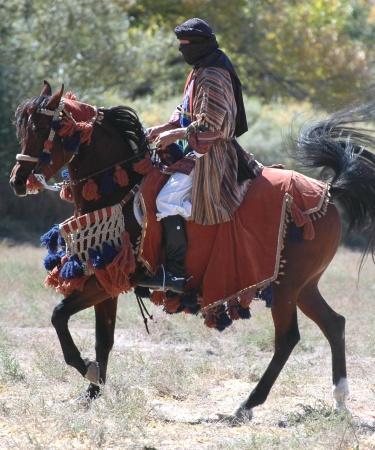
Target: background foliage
(289,55)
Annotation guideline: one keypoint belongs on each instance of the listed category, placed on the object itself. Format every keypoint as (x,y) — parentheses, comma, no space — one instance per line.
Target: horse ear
(54,101)
(46,89)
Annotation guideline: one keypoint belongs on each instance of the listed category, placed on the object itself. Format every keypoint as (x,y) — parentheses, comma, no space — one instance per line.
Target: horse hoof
(239,417)
(93,372)
(83,400)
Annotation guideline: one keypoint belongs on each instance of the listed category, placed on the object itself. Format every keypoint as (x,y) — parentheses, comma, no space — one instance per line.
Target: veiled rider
(210,182)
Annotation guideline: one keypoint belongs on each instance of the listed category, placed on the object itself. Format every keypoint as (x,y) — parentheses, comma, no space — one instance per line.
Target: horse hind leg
(284,314)
(313,305)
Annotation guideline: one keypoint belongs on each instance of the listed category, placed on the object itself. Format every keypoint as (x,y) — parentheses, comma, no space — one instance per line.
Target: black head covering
(204,51)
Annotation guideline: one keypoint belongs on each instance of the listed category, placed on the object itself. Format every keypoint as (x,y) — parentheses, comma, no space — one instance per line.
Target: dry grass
(164,389)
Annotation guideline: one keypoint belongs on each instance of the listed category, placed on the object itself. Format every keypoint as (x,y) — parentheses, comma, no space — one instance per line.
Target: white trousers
(175,197)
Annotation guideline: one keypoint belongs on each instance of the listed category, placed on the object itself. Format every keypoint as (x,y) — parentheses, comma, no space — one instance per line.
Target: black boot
(173,275)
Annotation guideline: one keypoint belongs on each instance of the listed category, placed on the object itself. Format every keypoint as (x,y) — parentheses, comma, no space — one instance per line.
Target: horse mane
(126,121)
(22,114)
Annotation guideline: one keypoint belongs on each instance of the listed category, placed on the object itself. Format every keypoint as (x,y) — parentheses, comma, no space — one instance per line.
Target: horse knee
(58,316)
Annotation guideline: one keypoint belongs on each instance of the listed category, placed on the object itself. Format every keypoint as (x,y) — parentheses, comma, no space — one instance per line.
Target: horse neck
(105,150)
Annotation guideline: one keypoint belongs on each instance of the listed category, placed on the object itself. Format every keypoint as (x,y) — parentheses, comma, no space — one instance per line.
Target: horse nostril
(17,182)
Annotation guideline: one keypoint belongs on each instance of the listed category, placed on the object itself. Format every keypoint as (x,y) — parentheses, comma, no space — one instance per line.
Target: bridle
(57,116)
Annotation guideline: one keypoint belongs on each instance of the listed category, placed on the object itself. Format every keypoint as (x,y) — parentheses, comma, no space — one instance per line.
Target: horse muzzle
(19,186)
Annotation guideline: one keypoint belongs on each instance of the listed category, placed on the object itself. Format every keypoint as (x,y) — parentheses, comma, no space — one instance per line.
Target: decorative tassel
(66,287)
(143,167)
(223,320)
(56,125)
(96,259)
(233,306)
(158,298)
(298,216)
(52,278)
(210,319)
(247,297)
(65,175)
(267,295)
(53,260)
(308,230)
(66,193)
(172,304)
(109,253)
(86,131)
(142,292)
(120,176)
(68,126)
(50,239)
(70,96)
(71,143)
(295,234)
(72,268)
(244,313)
(190,302)
(90,191)
(107,184)
(45,158)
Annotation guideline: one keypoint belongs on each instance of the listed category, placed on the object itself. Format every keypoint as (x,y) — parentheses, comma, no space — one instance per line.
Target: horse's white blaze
(340,392)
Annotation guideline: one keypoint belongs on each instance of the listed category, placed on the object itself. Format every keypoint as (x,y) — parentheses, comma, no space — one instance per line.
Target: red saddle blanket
(235,259)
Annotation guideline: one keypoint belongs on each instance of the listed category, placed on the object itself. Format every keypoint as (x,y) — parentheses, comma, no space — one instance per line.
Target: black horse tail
(344,148)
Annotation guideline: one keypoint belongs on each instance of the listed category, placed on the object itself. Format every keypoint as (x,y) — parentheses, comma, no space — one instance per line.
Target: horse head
(34,124)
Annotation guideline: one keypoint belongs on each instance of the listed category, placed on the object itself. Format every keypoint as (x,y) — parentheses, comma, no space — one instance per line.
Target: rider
(210,182)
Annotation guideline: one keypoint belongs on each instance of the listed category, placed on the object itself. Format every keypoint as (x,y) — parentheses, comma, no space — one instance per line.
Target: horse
(109,138)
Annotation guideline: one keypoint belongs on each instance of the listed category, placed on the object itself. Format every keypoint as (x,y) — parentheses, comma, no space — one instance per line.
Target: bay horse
(114,138)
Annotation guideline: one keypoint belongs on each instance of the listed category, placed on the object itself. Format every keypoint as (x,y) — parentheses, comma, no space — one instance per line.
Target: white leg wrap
(340,392)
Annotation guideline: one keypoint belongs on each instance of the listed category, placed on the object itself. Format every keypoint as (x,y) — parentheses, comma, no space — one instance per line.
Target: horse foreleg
(77,301)
(284,315)
(313,305)
(105,315)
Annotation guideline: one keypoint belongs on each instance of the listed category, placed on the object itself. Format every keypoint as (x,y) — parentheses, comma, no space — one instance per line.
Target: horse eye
(42,134)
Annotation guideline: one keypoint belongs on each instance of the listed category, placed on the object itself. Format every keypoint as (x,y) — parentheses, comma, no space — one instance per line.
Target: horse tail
(343,147)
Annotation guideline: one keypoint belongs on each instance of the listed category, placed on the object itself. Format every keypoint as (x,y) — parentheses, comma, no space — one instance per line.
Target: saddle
(237,259)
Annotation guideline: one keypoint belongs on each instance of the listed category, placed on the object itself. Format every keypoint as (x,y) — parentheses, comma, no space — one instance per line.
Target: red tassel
(143,167)
(298,216)
(70,96)
(90,191)
(120,176)
(247,297)
(158,298)
(86,131)
(32,183)
(172,304)
(308,230)
(48,145)
(67,126)
(233,309)
(115,277)
(210,319)
(66,193)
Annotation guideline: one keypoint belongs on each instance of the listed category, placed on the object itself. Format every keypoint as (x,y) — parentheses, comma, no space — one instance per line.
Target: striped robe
(216,192)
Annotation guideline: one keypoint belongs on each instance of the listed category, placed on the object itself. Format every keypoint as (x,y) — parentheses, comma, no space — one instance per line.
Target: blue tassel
(50,239)
(71,143)
(72,268)
(45,158)
(223,320)
(190,302)
(109,253)
(61,241)
(56,125)
(142,292)
(53,260)
(267,296)
(176,152)
(107,184)
(244,313)
(96,258)
(296,234)
(65,174)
